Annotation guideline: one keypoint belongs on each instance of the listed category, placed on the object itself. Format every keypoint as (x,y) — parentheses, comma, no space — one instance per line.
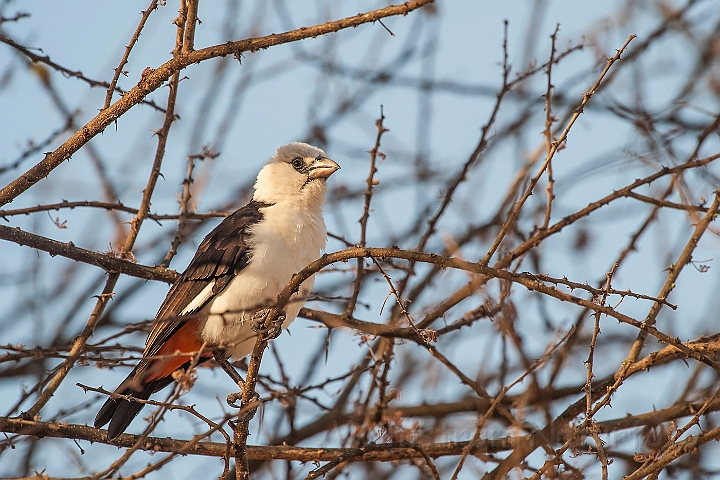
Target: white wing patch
(197,302)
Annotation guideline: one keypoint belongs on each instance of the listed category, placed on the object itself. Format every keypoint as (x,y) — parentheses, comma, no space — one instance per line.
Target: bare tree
(519,281)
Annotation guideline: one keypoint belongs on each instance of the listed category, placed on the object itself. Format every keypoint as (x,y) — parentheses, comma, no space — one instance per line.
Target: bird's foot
(275,329)
(260,324)
(235,400)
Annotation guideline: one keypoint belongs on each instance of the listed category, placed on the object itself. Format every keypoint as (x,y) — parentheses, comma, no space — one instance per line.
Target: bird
(240,267)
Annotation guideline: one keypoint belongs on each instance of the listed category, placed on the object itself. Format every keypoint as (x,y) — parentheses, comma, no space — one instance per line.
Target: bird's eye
(298,164)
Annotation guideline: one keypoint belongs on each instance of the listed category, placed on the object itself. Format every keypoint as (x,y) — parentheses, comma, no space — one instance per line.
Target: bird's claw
(233,398)
(259,322)
(275,330)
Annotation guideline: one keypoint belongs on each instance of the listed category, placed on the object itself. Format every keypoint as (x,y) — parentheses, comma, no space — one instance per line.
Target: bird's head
(297,172)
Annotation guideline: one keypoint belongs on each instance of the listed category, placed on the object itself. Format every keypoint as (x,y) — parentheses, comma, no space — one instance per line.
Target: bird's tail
(119,411)
(178,351)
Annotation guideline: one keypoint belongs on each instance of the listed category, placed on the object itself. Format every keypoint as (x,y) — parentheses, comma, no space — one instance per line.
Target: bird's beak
(322,168)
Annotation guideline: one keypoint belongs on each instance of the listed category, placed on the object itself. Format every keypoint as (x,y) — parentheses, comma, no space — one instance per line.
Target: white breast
(284,242)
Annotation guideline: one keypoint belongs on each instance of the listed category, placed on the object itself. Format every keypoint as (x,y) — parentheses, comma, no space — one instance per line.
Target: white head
(296,173)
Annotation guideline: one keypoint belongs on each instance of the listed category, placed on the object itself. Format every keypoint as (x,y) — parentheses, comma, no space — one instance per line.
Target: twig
(128,48)
(111,263)
(664,203)
(105,206)
(45,59)
(590,375)
(37,147)
(370,183)
(427,336)
(549,120)
(185,206)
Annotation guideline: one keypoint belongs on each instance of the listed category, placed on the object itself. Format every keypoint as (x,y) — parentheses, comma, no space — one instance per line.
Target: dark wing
(222,254)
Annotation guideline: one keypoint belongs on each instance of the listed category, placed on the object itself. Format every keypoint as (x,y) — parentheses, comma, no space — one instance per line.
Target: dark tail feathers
(120,412)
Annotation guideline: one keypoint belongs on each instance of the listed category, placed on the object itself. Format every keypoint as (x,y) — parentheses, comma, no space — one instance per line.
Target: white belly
(279,253)
(230,319)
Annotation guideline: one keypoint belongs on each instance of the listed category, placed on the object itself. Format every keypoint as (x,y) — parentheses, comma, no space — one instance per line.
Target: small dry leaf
(185,379)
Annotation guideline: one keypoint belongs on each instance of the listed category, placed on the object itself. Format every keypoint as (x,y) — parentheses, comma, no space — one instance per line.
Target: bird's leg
(230,370)
(221,359)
